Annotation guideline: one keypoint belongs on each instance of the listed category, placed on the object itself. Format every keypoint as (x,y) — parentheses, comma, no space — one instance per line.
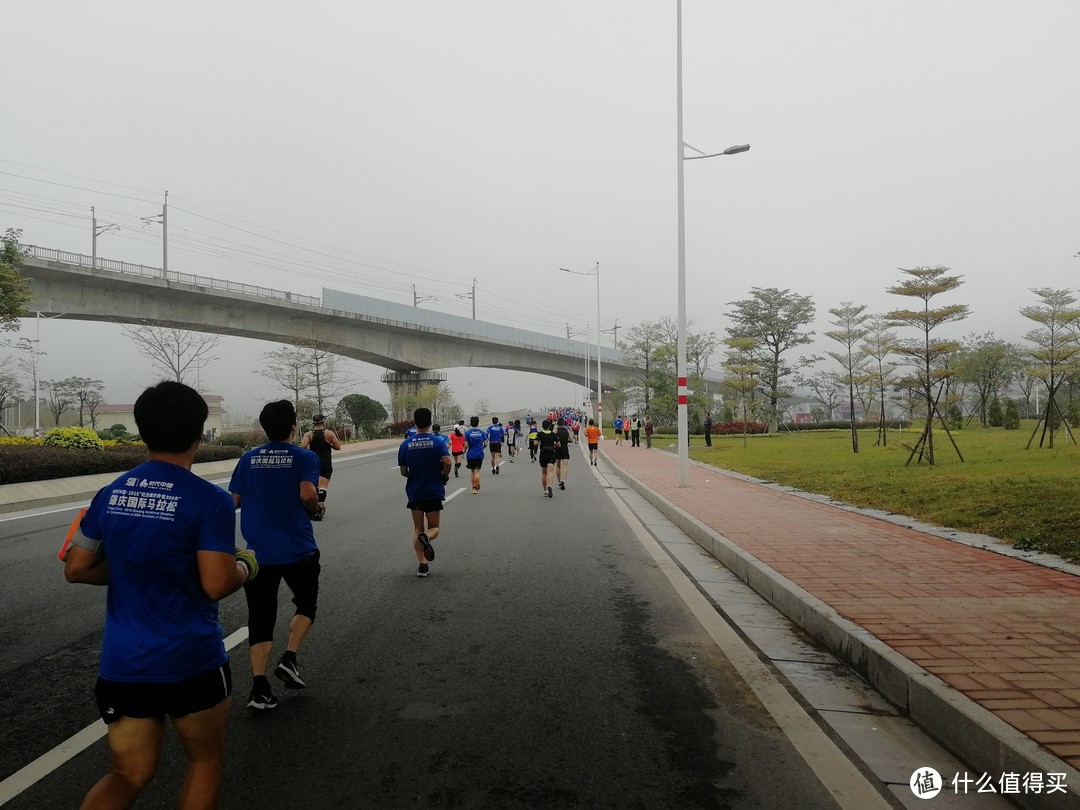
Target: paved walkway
(1002,631)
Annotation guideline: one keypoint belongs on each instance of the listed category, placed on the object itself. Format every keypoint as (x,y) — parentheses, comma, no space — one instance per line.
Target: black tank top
(319,445)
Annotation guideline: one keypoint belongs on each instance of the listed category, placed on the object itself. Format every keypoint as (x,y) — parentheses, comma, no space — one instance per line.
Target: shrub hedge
(21,462)
(74,437)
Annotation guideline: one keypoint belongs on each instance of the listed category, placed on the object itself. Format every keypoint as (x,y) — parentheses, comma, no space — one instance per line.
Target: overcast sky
(426,142)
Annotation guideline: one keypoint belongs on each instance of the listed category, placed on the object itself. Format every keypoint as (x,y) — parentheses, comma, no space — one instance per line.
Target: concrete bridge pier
(404,383)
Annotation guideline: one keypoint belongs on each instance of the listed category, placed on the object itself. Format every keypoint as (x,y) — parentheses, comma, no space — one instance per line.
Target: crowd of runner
(162,540)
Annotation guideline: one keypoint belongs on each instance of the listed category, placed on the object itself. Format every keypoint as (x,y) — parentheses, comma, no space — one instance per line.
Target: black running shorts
(116,699)
(494,447)
(301,577)
(432,505)
(547,457)
(474,463)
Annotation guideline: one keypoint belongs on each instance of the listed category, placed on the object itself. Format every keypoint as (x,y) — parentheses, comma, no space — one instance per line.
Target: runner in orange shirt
(592,436)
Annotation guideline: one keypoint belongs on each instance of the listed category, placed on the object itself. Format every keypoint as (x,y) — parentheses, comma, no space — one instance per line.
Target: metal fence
(127,268)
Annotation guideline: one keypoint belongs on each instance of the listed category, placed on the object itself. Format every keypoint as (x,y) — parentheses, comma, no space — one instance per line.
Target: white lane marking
(848,786)
(73,746)
(453,495)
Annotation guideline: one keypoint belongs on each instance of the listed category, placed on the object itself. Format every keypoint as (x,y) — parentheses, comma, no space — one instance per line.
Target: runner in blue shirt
(277,486)
(436,431)
(163,542)
(475,440)
(424,459)
(495,435)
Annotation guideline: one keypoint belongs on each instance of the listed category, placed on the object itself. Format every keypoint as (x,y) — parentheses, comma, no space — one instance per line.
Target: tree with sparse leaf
(742,376)
(1056,351)
(850,328)
(645,352)
(14,287)
(878,345)
(988,365)
(10,389)
(775,321)
(928,355)
(176,353)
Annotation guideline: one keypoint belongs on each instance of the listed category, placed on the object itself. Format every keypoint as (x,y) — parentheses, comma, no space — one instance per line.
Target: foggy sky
(390,144)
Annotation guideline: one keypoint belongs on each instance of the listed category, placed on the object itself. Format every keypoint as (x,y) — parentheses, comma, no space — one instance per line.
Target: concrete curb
(979,738)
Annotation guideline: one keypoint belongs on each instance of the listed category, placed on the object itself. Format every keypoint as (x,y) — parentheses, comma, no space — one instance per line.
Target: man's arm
(447,464)
(309,497)
(236,500)
(332,438)
(83,565)
(304,442)
(404,470)
(220,573)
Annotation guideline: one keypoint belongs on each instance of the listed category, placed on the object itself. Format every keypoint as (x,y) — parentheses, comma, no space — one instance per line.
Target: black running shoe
(550,493)
(562,485)
(262,698)
(422,570)
(429,551)
(288,673)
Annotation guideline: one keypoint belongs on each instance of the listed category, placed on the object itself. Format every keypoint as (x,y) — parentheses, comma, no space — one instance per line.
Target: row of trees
(927,375)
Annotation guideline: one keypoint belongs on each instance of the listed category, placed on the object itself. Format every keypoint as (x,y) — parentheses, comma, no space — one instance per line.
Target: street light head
(734,150)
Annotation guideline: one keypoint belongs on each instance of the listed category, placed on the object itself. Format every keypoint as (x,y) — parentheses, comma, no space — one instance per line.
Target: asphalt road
(546,662)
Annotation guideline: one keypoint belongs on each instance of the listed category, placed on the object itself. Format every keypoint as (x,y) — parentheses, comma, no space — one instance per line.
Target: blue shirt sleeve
(217,524)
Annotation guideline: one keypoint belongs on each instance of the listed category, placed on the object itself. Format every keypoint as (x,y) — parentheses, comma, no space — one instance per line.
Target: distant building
(109,415)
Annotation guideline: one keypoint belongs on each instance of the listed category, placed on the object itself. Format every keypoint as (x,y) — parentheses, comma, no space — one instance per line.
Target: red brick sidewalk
(1004,632)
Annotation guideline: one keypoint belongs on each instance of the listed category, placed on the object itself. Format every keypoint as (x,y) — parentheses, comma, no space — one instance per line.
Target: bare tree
(328,377)
(174,352)
(93,401)
(928,354)
(289,368)
(60,397)
(828,387)
(850,328)
(83,390)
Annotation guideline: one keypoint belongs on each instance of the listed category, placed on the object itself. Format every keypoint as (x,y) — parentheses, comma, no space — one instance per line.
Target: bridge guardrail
(51,254)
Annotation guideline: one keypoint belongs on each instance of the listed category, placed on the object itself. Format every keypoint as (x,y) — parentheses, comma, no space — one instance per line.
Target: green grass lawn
(1028,497)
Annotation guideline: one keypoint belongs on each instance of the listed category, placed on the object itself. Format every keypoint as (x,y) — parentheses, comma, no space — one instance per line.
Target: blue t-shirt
(475,438)
(423,455)
(617,424)
(273,520)
(495,433)
(160,626)
(442,437)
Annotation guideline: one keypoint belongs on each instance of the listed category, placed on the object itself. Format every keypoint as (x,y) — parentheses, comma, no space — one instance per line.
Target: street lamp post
(587,334)
(680,363)
(599,386)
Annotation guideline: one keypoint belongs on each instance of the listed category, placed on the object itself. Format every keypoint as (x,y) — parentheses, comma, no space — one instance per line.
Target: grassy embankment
(1029,497)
